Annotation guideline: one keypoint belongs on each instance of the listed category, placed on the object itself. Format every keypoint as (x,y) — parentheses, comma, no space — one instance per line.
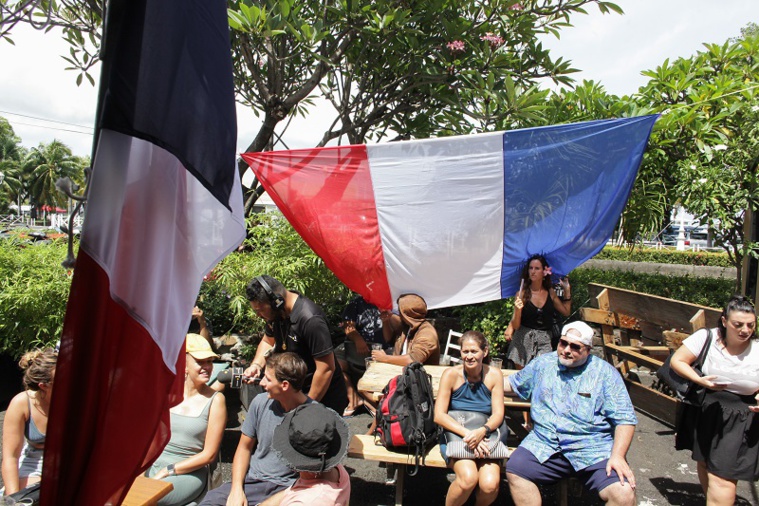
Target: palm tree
(11,154)
(43,166)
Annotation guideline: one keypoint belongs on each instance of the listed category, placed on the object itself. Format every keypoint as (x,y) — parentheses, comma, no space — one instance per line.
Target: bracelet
(567,299)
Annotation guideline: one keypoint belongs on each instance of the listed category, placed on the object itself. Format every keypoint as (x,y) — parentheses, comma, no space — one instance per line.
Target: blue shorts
(524,464)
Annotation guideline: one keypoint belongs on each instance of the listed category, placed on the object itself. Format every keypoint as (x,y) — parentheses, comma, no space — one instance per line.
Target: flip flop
(347,413)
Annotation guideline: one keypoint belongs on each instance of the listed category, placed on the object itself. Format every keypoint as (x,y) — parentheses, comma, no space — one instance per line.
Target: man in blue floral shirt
(583,423)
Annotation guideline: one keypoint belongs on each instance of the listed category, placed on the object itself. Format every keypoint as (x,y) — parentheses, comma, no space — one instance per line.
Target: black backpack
(405,416)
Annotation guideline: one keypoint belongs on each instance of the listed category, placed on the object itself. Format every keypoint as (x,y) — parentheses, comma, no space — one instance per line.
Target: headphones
(277,301)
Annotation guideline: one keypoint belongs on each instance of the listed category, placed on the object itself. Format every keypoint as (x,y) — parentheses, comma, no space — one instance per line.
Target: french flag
(454,219)
(164,206)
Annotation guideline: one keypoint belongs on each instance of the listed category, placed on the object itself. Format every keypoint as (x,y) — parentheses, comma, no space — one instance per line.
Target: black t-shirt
(306,333)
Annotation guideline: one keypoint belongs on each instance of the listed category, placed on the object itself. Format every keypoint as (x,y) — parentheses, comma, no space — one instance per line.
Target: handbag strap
(704,350)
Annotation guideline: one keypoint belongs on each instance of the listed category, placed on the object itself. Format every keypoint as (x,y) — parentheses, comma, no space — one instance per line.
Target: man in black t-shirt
(296,324)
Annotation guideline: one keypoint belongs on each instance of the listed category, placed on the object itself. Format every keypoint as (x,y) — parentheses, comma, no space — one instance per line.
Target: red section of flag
(112,394)
(327,196)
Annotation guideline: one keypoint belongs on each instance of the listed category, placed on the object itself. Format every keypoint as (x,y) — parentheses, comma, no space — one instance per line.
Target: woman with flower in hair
(25,422)
(534,309)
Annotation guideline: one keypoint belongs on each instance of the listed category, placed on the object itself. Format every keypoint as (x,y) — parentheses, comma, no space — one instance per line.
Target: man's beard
(570,363)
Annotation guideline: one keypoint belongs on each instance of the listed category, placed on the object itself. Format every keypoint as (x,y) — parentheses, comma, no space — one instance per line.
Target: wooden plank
(599,316)
(674,339)
(602,299)
(668,313)
(363,446)
(147,492)
(698,321)
(651,349)
(627,353)
(652,402)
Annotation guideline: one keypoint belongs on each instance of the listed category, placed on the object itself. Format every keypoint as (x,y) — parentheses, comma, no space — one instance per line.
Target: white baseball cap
(582,328)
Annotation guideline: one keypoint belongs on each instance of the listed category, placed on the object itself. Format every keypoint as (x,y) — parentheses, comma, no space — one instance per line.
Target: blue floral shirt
(574,410)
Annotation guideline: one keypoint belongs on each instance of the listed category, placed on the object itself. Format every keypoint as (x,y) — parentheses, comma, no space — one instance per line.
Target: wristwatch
(171,470)
(488,431)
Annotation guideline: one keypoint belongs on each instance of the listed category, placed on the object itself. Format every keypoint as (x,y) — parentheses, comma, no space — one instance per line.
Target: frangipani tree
(386,68)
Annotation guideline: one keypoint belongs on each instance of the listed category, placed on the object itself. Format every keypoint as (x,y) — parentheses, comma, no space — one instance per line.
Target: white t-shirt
(739,372)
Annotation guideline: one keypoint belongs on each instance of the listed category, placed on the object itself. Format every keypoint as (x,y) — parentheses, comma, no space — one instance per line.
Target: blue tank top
(31,432)
(472,397)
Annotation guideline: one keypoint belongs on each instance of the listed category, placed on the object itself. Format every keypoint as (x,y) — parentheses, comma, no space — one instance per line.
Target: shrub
(34,289)
(665,256)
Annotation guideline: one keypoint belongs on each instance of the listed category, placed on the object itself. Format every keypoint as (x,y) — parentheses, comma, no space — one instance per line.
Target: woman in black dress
(534,310)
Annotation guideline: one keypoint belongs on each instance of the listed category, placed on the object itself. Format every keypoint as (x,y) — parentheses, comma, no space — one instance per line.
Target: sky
(42,102)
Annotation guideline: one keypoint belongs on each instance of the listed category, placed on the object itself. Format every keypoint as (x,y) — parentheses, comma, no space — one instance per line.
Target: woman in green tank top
(197,427)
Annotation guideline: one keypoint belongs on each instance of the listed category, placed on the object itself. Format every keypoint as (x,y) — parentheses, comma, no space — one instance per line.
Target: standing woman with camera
(25,423)
(534,308)
(197,427)
(723,433)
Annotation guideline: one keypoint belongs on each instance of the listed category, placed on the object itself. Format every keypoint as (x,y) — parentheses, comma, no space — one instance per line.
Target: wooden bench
(649,328)
(365,447)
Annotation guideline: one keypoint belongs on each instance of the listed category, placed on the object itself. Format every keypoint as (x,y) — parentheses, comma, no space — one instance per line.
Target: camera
(559,290)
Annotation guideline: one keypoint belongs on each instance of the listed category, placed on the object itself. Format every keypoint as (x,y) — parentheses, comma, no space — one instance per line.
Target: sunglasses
(572,346)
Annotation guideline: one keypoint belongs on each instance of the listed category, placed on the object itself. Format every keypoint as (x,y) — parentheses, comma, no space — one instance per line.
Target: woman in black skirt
(723,433)
(535,307)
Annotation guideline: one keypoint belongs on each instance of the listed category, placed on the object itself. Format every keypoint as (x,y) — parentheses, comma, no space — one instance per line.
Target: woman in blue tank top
(472,386)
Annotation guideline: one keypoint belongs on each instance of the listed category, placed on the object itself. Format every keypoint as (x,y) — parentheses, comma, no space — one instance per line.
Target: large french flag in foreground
(164,206)
(454,219)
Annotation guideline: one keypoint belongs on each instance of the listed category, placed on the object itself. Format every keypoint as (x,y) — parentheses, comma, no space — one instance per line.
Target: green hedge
(665,256)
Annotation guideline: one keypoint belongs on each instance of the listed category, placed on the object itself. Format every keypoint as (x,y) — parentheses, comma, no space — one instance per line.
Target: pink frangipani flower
(456,46)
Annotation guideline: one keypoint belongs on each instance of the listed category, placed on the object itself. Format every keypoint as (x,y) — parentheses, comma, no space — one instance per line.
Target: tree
(704,150)
(388,68)
(414,68)
(43,166)
(11,154)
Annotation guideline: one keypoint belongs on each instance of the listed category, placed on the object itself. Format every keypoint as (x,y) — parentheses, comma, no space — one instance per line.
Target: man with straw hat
(313,440)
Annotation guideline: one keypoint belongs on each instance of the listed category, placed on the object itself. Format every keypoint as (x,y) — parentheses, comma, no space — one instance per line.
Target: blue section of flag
(167,78)
(565,187)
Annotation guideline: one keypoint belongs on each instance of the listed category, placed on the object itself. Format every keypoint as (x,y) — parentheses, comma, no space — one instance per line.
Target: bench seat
(362,446)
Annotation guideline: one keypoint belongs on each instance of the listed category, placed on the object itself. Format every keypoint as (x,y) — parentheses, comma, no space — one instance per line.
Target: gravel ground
(664,475)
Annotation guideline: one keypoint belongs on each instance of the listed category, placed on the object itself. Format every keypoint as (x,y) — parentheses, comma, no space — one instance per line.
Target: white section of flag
(452,206)
(155,208)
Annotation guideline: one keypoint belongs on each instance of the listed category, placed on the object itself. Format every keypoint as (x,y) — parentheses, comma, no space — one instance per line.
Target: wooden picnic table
(147,492)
